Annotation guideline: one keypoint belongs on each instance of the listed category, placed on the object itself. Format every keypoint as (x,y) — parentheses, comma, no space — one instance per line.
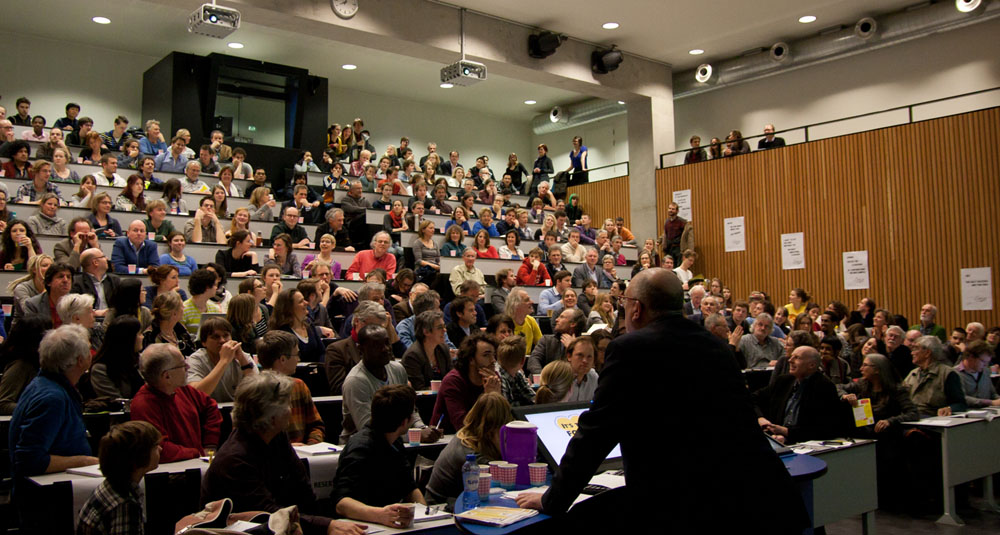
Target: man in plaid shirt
(278,352)
(128,451)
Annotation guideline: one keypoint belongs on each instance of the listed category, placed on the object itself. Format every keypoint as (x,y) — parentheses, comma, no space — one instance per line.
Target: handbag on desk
(218,516)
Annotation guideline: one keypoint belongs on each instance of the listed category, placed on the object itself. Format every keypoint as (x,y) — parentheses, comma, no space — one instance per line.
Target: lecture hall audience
(829,361)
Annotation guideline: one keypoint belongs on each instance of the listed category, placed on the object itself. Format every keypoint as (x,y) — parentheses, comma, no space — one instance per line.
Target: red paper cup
(485,480)
(538,473)
(414,435)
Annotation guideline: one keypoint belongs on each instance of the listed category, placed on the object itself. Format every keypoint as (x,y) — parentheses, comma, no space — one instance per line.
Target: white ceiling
(658,29)
(665,30)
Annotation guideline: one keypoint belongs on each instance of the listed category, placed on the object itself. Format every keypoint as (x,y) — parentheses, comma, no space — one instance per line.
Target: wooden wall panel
(604,199)
(923,199)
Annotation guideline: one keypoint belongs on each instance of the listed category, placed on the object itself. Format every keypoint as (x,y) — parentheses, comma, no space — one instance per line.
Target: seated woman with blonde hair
(557,383)
(479,436)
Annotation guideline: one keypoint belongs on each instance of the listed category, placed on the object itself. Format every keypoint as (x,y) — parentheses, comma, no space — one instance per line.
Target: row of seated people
(820,364)
(734,145)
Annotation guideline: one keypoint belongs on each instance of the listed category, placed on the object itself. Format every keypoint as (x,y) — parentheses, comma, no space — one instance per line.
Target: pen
(440,421)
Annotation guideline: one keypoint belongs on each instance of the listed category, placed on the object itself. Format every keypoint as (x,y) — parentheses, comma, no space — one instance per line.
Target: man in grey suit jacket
(81,238)
(58,281)
(567,326)
(589,271)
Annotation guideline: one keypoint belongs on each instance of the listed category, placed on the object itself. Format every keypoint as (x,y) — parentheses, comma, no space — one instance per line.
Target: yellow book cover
(863,413)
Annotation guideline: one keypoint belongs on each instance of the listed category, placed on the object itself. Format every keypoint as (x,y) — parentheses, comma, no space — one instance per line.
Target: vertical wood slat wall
(923,199)
(604,199)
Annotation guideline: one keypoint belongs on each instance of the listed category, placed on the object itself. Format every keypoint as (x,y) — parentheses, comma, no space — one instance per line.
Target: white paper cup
(411,510)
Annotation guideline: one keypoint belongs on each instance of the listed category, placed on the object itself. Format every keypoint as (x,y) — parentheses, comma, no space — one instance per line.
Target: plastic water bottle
(470,476)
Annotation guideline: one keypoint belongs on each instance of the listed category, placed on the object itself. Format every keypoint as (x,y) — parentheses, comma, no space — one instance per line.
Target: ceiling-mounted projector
(214,21)
(464,72)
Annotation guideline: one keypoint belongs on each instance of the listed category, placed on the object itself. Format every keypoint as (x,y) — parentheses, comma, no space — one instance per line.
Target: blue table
(803,469)
(499,501)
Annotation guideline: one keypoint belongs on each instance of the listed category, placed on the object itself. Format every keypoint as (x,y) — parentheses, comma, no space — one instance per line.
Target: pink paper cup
(414,435)
(485,480)
(484,469)
(495,469)
(435,386)
(538,473)
(508,475)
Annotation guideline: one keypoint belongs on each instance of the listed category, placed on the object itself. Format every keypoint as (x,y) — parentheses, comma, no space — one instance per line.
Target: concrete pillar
(650,133)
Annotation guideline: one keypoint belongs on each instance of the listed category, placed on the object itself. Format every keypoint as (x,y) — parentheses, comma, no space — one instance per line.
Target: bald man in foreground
(700,461)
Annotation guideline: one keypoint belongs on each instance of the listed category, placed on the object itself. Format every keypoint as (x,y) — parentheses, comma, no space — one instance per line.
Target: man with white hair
(697,293)
(911,336)
(758,347)
(47,432)
(376,257)
(191,182)
(927,326)
(802,404)
(898,353)
(187,418)
(974,331)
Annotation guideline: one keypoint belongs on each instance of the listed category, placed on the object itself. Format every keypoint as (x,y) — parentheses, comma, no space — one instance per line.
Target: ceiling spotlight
(621,102)
(703,73)
(348,67)
(696,51)
(605,61)
(446,85)
(967,6)
(610,25)
(544,44)
(235,45)
(806,19)
(101,20)
(529,102)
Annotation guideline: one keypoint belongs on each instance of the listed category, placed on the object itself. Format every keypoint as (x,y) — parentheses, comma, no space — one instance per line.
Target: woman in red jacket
(532,272)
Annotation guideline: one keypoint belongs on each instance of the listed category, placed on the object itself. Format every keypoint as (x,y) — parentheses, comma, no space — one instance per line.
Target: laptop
(556,424)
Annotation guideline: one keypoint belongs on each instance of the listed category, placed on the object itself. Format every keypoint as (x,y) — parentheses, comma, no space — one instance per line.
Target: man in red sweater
(188,419)
(376,257)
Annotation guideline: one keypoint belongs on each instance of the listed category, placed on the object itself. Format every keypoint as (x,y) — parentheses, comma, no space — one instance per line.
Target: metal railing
(875,120)
(605,172)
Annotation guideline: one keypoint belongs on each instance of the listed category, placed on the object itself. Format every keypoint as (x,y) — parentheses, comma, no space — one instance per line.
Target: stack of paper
(322,448)
(496,516)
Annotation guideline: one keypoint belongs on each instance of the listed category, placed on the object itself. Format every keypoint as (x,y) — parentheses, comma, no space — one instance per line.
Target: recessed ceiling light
(529,102)
(696,51)
(610,26)
(101,20)
(234,44)
(806,19)
(446,85)
(622,102)
(348,67)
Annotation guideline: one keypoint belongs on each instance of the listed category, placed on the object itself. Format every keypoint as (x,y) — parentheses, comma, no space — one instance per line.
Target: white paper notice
(793,255)
(683,200)
(977,289)
(736,239)
(856,270)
